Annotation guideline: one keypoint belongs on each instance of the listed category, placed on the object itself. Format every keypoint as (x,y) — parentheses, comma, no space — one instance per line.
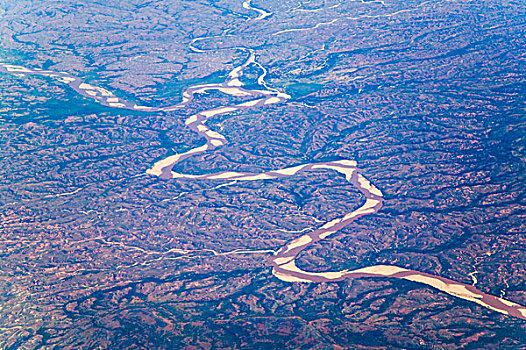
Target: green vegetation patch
(174,87)
(297,90)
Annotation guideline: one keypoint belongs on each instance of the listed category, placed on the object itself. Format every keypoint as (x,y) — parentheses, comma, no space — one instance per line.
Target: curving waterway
(283,261)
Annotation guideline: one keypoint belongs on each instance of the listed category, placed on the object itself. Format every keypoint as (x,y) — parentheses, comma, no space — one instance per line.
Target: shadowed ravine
(283,261)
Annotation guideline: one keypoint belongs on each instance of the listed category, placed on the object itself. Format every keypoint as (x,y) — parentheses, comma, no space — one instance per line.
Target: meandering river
(283,261)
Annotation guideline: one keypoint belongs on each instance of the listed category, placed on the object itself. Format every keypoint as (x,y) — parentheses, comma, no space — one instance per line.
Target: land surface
(427,98)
